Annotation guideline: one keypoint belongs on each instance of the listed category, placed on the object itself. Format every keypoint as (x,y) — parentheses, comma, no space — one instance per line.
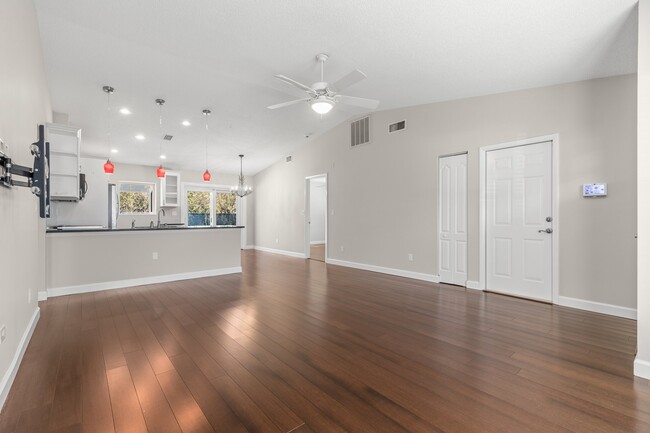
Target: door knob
(545,231)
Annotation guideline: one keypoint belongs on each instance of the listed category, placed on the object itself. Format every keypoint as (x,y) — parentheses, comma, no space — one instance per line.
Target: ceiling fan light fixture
(322,105)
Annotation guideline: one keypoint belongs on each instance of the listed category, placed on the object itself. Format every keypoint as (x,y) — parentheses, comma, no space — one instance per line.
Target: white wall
(24,103)
(317,210)
(642,363)
(596,123)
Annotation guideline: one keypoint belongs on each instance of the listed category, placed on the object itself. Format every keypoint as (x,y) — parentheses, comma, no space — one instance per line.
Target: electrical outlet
(277,240)
(332,212)
(410,257)
(342,248)
(3,334)
(155,255)
(29,296)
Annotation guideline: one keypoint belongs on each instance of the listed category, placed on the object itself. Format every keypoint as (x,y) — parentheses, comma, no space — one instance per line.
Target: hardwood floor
(298,346)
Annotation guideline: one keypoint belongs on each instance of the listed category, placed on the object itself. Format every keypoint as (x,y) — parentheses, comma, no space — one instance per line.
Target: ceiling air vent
(399,126)
(168,137)
(360,132)
(288,158)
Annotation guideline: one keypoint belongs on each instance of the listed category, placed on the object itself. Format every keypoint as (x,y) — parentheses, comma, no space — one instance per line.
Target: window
(198,208)
(206,206)
(136,198)
(226,209)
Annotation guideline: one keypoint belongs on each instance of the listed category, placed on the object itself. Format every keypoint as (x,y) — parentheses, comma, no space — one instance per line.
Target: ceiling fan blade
(296,84)
(359,102)
(352,78)
(286,104)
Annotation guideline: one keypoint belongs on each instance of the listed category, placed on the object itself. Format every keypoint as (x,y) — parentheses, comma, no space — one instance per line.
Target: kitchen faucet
(163,212)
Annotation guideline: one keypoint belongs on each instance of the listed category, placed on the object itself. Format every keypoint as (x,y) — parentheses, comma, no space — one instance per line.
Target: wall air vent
(288,158)
(399,126)
(360,132)
(168,137)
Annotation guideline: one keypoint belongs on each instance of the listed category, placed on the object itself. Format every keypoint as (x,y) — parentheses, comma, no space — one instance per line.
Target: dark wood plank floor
(298,346)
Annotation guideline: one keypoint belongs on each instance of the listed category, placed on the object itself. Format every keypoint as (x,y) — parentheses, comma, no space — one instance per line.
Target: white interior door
(519,239)
(452,217)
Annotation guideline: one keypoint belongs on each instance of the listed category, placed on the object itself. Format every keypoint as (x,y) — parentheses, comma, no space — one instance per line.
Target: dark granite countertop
(137,229)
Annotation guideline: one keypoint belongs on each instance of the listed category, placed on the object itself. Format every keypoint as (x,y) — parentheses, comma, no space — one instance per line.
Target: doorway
(452,219)
(519,219)
(316,217)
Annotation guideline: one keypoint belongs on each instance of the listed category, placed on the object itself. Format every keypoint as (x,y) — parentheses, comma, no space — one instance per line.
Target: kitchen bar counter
(80,229)
(81,260)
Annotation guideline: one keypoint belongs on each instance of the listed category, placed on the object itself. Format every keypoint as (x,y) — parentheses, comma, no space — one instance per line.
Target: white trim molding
(473,285)
(120,284)
(390,271)
(248,247)
(10,375)
(598,307)
(642,368)
(281,252)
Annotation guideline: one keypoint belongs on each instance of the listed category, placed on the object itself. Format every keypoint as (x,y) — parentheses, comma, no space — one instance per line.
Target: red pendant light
(160,172)
(109,167)
(206,175)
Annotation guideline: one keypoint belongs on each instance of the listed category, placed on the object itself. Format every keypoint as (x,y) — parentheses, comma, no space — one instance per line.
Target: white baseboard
(96,287)
(474,285)
(10,375)
(597,307)
(42,296)
(642,368)
(391,271)
(317,243)
(249,247)
(282,252)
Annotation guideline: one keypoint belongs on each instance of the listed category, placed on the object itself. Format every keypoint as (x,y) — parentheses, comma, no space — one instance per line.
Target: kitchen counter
(136,229)
(81,260)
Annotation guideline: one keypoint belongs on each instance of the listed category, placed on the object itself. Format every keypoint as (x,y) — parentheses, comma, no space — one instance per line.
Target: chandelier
(241,190)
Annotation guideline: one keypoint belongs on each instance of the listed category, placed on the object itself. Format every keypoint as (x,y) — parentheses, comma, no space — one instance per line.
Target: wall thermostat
(594,190)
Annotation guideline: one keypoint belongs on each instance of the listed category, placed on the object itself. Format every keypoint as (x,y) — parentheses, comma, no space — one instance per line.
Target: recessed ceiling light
(163,157)
(186,123)
(114,150)
(125,110)
(139,137)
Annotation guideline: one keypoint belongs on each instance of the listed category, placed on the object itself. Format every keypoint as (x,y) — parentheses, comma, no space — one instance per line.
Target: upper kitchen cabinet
(170,189)
(65,142)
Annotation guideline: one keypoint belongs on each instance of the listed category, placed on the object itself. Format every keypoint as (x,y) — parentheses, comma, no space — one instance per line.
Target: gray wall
(596,123)
(24,103)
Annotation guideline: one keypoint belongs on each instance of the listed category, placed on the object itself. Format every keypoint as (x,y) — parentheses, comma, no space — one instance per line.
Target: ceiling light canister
(322,105)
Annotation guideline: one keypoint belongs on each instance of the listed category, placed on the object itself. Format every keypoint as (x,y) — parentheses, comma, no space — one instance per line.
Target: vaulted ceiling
(222,55)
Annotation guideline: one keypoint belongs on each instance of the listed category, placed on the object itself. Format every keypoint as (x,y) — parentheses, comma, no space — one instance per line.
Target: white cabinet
(170,189)
(65,142)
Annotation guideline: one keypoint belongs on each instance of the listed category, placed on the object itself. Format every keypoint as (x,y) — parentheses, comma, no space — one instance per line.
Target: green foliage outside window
(226,203)
(136,198)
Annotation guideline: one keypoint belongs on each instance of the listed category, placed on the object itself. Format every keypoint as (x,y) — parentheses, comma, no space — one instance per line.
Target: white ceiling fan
(323,96)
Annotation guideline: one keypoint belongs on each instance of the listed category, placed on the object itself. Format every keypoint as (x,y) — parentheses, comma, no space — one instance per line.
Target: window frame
(193,186)
(153,197)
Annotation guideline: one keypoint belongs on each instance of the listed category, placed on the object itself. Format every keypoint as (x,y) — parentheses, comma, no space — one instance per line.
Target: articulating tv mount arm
(8,170)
